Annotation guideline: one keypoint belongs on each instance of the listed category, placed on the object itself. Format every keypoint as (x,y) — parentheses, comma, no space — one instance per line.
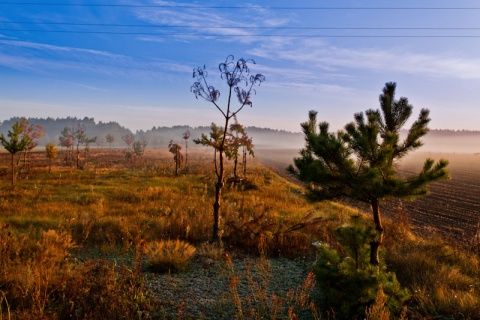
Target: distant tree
(362,161)
(100,142)
(215,140)
(237,76)
(110,139)
(80,136)
(128,138)
(238,139)
(17,142)
(144,143)
(51,150)
(67,140)
(247,148)
(33,132)
(186,136)
(175,148)
(138,148)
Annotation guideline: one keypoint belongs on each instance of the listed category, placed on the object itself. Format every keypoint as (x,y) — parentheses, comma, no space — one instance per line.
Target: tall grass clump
(169,255)
(100,288)
(40,280)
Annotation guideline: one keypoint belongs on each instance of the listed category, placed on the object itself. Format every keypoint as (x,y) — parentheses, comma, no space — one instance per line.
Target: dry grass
(55,226)
(259,300)
(444,280)
(169,255)
(114,208)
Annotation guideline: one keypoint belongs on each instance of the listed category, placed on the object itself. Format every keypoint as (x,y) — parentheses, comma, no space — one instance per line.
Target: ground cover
(90,228)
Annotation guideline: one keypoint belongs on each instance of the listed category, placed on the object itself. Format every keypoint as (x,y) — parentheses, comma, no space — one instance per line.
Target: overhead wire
(230,7)
(242,35)
(233,27)
(161,33)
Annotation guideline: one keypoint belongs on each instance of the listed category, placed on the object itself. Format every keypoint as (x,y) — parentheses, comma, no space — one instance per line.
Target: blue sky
(133,63)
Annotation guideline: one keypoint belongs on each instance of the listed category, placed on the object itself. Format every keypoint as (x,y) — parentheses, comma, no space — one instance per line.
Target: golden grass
(444,280)
(169,255)
(115,207)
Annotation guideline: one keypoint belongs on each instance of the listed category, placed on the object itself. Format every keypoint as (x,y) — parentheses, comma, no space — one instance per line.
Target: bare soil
(452,207)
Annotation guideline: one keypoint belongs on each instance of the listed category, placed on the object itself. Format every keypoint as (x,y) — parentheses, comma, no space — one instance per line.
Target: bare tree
(237,76)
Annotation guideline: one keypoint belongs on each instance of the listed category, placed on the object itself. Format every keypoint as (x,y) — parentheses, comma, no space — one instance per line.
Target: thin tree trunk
(13,169)
(186,156)
(244,162)
(176,163)
(25,158)
(235,163)
(218,196)
(78,157)
(375,244)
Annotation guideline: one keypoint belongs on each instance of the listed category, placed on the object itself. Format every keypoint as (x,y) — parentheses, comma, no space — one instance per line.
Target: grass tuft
(169,255)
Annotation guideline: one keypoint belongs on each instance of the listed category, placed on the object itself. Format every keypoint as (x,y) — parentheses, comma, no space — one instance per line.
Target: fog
(442,141)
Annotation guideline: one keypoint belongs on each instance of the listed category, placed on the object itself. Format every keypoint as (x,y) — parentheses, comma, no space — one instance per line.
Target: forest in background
(460,141)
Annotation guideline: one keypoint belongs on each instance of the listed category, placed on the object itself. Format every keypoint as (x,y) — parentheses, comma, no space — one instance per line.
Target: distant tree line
(53,127)
(110,134)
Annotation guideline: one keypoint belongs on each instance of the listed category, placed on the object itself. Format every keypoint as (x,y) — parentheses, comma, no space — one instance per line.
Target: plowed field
(453,206)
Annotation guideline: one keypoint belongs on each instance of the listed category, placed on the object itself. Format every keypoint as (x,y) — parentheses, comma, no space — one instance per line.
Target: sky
(131,61)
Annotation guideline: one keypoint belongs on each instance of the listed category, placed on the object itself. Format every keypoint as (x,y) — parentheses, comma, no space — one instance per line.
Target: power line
(231,7)
(234,27)
(243,35)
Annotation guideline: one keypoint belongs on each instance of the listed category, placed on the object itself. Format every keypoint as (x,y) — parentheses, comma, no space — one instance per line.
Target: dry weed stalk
(378,310)
(259,301)
(4,298)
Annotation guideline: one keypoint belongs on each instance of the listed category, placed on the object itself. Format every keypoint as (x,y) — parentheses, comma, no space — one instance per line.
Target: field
(109,213)
(131,234)
(452,208)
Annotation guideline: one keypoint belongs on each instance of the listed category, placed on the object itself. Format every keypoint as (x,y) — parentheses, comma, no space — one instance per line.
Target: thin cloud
(42,46)
(204,22)
(82,85)
(82,61)
(320,55)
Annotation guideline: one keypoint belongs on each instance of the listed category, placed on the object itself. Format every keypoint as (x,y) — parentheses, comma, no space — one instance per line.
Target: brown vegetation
(71,238)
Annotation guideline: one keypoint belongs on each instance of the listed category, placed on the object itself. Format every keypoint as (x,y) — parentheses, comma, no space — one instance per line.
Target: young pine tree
(361,161)
(17,142)
(51,152)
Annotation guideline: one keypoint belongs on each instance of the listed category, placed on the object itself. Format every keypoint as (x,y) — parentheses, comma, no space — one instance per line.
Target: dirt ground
(452,207)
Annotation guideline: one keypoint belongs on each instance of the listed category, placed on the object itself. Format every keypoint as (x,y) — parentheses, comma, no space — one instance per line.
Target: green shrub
(349,283)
